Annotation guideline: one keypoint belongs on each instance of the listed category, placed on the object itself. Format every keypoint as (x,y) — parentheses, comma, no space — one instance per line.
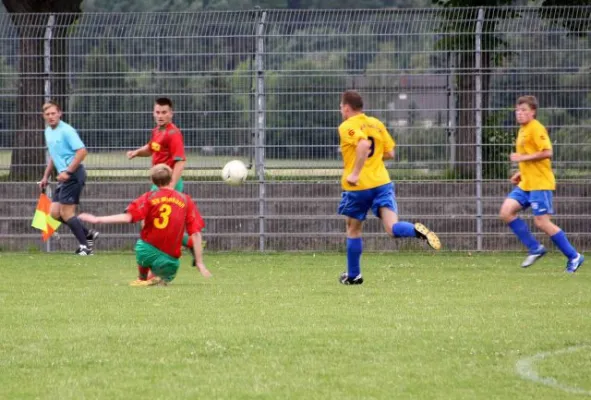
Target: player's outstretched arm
(143,151)
(107,219)
(199,254)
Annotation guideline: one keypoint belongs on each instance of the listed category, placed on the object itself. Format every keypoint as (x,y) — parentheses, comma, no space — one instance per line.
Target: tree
(31,17)
(462,41)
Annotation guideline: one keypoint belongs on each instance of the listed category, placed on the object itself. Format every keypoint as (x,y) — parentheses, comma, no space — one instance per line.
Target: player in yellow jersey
(365,144)
(535,185)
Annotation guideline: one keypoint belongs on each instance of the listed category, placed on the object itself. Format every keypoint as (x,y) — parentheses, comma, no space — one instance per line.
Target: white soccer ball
(234,172)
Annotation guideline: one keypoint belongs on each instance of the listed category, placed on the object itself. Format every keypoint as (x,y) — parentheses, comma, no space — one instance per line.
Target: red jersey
(166,214)
(166,145)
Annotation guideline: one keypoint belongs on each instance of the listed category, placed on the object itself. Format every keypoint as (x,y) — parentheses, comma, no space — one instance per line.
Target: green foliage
(303,107)
(104,103)
(217,112)
(577,20)
(471,3)
(8,90)
(196,5)
(498,138)
(572,144)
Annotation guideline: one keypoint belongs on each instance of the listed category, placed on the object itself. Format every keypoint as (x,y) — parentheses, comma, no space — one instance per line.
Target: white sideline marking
(526,369)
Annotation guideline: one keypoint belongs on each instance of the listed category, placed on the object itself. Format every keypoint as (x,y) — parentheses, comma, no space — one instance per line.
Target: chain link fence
(263,86)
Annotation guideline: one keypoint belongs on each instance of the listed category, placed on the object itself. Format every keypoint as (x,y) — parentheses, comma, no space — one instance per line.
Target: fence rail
(263,86)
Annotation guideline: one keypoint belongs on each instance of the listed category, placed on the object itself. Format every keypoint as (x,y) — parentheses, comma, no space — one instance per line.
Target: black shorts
(68,192)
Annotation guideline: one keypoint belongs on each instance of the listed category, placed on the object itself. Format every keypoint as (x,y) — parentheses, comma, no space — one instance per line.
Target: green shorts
(178,187)
(162,264)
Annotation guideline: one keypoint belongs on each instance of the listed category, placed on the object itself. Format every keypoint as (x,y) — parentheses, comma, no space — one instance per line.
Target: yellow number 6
(162,222)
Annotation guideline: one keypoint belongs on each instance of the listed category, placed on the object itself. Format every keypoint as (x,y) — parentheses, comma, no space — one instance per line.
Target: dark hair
(531,101)
(352,99)
(164,101)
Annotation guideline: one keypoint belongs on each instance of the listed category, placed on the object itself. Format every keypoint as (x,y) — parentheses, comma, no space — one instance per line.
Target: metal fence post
(260,123)
(451,108)
(47,85)
(478,118)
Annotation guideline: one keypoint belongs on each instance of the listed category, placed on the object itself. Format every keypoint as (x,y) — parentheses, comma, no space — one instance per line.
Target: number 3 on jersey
(162,222)
(372,147)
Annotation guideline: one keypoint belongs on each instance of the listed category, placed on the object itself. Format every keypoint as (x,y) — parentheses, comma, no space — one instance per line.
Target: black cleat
(346,280)
(83,251)
(91,237)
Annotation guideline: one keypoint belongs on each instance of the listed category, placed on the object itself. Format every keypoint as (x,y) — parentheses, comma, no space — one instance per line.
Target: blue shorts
(68,192)
(356,204)
(540,200)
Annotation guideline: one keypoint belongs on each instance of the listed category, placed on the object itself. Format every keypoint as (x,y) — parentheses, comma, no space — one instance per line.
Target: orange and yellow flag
(42,220)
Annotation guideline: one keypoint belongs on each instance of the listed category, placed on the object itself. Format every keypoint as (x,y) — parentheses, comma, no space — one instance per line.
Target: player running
(365,144)
(535,185)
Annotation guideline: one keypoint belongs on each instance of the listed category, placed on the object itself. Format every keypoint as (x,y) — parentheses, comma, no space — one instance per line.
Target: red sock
(190,242)
(143,272)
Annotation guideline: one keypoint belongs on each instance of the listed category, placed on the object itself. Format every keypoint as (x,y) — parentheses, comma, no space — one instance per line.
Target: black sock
(78,230)
(85,229)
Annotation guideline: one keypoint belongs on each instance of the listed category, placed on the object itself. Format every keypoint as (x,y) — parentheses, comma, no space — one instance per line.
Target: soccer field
(280,326)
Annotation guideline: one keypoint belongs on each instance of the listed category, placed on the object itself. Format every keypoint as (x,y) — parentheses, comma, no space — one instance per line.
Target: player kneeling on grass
(166,214)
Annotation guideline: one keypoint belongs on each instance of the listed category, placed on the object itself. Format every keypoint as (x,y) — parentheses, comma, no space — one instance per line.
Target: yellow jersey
(535,175)
(374,172)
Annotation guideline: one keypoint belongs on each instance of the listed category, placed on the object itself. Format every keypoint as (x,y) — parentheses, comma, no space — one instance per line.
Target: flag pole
(47,190)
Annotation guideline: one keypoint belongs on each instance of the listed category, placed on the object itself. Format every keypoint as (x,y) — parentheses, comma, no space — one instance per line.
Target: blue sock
(354,250)
(403,229)
(521,230)
(564,245)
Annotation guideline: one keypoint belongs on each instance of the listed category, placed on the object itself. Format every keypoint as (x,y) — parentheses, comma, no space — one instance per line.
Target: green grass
(116,166)
(279,326)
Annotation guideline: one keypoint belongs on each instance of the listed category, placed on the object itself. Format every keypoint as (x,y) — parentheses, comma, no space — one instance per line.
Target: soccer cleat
(533,257)
(573,265)
(346,280)
(91,237)
(155,281)
(83,251)
(424,233)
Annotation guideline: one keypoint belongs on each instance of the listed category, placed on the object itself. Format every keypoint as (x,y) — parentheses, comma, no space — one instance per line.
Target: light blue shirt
(62,143)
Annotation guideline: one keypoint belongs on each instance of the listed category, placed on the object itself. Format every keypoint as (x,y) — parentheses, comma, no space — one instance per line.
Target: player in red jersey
(166,213)
(166,146)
